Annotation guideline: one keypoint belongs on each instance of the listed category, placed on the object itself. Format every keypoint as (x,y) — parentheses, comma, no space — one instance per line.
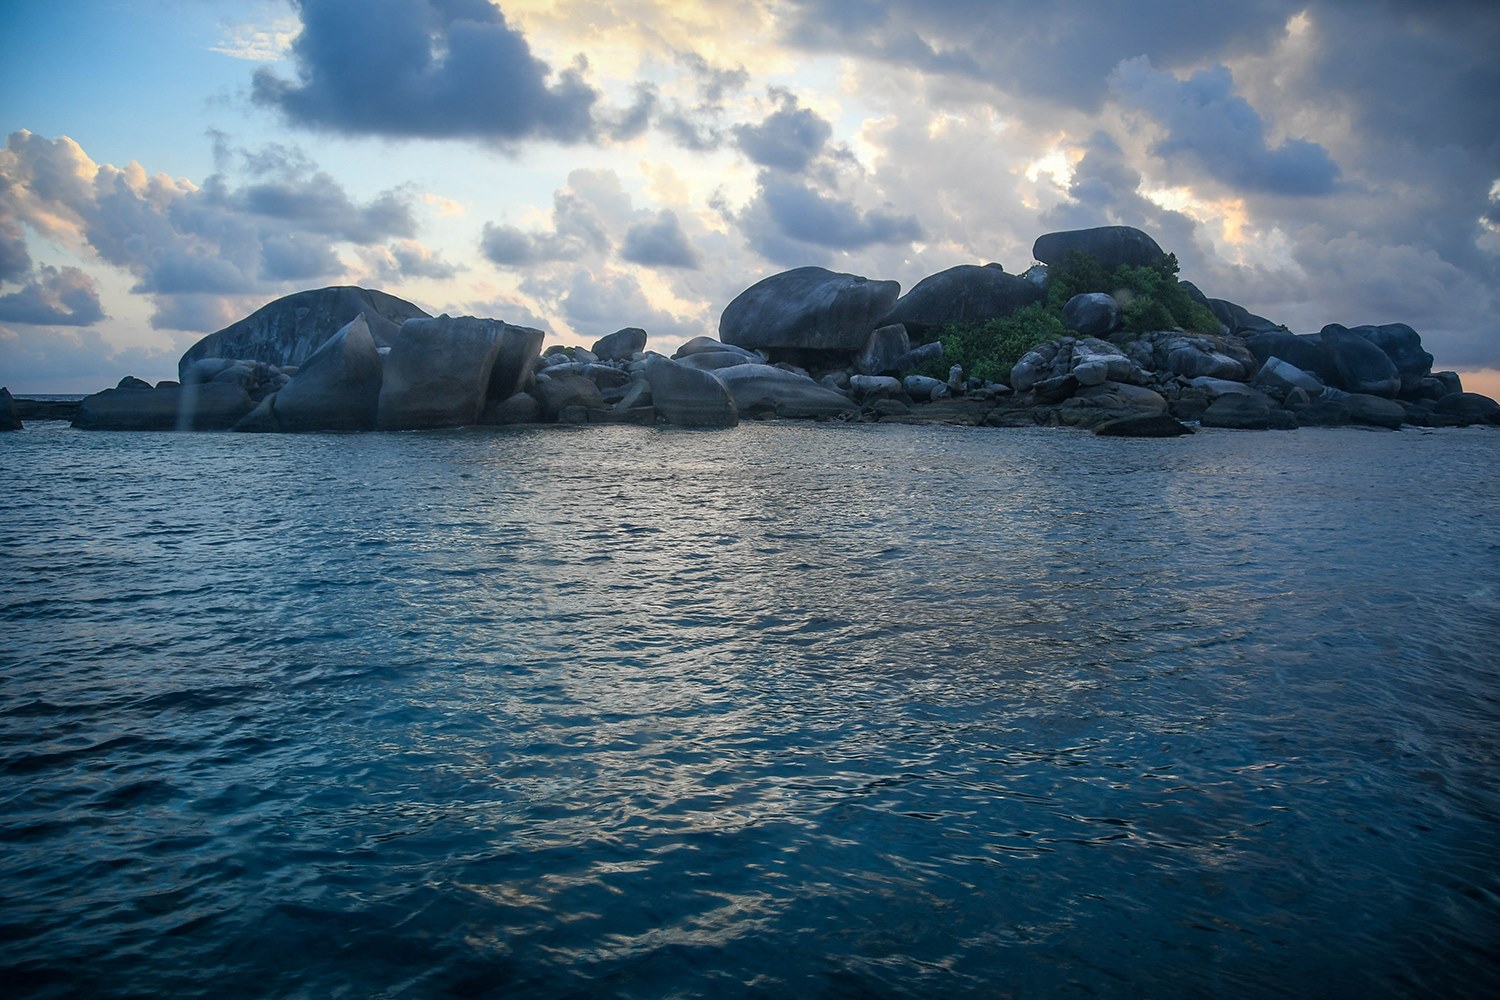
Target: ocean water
(786,710)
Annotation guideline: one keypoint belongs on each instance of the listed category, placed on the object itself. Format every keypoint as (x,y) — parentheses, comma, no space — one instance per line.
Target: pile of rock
(808,343)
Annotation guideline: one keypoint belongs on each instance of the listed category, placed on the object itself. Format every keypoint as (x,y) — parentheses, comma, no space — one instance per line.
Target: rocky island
(1099,335)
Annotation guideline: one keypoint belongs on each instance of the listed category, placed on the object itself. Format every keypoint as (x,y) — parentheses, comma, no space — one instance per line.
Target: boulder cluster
(807,343)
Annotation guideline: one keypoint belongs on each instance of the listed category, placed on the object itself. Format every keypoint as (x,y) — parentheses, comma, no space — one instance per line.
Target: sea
(787,710)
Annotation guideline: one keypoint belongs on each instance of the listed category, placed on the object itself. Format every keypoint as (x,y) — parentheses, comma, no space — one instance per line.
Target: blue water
(790,710)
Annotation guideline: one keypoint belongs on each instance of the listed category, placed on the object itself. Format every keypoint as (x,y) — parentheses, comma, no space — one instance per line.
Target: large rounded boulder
(1360,365)
(1403,346)
(288,330)
(1111,246)
(967,293)
(622,345)
(438,372)
(807,309)
(337,389)
(687,396)
(766,391)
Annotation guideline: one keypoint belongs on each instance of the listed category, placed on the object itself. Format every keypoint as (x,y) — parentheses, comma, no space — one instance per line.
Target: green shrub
(990,350)
(1156,300)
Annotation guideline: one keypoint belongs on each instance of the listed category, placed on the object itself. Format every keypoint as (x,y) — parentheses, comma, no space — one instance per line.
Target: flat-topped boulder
(807,309)
(968,294)
(170,406)
(1111,246)
(288,330)
(438,372)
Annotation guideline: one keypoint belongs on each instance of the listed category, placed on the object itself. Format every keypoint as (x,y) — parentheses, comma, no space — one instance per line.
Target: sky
(169,166)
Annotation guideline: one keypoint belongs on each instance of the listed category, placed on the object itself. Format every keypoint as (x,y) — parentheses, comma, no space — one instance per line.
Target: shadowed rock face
(1361,366)
(689,397)
(288,331)
(9,421)
(967,293)
(809,308)
(337,389)
(438,372)
(1111,246)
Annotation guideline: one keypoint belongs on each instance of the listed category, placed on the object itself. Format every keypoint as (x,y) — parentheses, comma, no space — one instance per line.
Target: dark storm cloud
(659,243)
(56,297)
(788,139)
(424,68)
(1208,122)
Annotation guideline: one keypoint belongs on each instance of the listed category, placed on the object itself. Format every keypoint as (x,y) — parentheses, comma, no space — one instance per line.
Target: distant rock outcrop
(288,330)
(9,420)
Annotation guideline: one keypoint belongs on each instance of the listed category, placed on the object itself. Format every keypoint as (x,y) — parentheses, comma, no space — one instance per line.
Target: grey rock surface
(808,308)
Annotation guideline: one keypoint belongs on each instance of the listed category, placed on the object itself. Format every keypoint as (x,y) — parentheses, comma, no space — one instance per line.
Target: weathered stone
(1403,346)
(1091,373)
(622,345)
(1111,246)
(336,389)
(764,391)
(438,372)
(709,361)
(558,393)
(1302,350)
(1374,411)
(1055,389)
(1360,365)
(1279,378)
(687,396)
(9,420)
(1238,411)
(213,406)
(518,408)
(809,308)
(131,383)
(1214,388)
(1093,314)
(923,389)
(1469,406)
(708,345)
(919,356)
(885,346)
(963,294)
(869,387)
(1149,425)
(1240,321)
(515,362)
(288,330)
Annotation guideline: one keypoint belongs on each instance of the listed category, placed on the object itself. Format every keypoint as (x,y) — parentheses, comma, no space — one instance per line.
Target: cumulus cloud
(1208,122)
(789,218)
(403,261)
(606,301)
(424,68)
(15,259)
(787,139)
(57,297)
(287,258)
(659,243)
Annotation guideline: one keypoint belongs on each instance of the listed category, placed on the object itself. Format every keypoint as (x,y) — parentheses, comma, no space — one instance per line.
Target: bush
(1151,297)
(990,350)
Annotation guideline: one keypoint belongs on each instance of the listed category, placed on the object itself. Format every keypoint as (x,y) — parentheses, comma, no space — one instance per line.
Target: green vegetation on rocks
(1150,297)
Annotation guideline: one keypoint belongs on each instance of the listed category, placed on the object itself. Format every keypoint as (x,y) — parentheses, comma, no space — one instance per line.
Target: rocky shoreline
(804,344)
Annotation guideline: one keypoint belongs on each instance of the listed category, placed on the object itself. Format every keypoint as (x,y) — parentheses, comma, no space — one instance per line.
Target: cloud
(583,215)
(1208,122)
(287,258)
(177,238)
(424,68)
(659,243)
(65,297)
(407,259)
(786,209)
(48,359)
(15,259)
(607,301)
(788,139)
